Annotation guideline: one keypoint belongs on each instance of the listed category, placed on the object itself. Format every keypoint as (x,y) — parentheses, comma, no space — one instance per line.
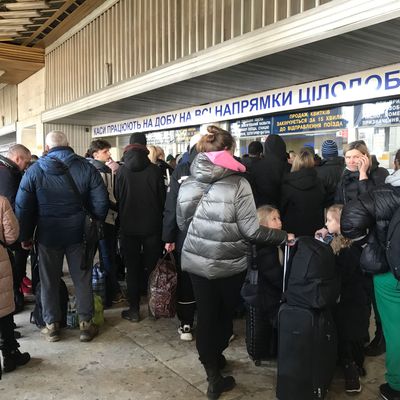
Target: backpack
(37,313)
(392,244)
(312,278)
(162,288)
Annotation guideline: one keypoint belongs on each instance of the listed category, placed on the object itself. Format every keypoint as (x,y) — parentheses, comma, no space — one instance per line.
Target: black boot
(377,345)
(13,359)
(217,384)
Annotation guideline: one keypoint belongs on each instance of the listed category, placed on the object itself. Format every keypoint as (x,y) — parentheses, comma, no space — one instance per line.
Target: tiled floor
(142,361)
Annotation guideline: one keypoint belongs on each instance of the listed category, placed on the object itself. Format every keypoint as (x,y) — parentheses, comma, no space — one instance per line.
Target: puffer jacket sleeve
(357,217)
(10,223)
(26,205)
(246,217)
(98,195)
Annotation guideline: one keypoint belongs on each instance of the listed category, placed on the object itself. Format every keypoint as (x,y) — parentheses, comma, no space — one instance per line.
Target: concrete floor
(142,361)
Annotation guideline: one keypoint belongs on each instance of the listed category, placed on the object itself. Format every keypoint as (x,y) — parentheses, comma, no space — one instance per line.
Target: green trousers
(387,293)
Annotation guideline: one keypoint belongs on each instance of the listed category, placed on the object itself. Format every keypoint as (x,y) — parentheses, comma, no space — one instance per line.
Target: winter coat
(270,279)
(171,233)
(350,187)
(140,193)
(9,231)
(352,311)
(46,199)
(329,172)
(266,175)
(10,177)
(218,232)
(108,179)
(372,212)
(303,202)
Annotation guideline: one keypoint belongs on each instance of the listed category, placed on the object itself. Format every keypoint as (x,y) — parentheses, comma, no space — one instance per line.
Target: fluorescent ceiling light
(34,5)
(13,21)
(20,14)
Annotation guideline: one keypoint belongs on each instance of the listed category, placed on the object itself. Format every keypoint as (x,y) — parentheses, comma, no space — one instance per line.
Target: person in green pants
(371,214)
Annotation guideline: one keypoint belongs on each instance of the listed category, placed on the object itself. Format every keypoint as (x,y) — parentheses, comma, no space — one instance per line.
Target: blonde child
(352,311)
(269,261)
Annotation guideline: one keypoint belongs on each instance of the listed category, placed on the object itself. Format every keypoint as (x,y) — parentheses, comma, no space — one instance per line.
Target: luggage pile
(307,338)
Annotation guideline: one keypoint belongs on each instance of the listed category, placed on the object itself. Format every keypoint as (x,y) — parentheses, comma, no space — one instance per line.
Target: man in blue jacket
(46,201)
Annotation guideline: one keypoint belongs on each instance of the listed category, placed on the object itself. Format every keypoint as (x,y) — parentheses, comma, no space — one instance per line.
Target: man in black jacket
(330,170)
(140,195)
(11,170)
(174,238)
(266,175)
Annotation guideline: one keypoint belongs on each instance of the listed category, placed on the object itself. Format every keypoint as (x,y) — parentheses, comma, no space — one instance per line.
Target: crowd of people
(209,208)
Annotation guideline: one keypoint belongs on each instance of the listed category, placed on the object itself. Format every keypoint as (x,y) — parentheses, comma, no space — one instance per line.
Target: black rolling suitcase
(261,336)
(307,349)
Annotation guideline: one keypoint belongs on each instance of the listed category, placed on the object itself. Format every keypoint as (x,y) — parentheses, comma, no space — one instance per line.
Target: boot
(217,384)
(13,359)
(377,345)
(88,331)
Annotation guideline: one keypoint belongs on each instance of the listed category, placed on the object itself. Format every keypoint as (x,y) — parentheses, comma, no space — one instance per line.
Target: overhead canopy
(370,47)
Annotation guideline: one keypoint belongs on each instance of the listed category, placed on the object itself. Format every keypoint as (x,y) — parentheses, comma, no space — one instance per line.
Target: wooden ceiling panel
(33,25)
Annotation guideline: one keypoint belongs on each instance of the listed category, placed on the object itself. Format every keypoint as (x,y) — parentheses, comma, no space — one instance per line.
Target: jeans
(50,271)
(107,253)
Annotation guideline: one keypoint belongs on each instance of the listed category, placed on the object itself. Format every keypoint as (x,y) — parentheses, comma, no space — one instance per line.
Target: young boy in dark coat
(351,312)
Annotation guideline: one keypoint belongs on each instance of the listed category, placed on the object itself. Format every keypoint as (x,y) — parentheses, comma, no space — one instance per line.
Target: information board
(308,121)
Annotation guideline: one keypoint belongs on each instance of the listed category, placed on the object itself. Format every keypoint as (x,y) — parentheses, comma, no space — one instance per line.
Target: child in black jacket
(269,262)
(262,292)
(351,312)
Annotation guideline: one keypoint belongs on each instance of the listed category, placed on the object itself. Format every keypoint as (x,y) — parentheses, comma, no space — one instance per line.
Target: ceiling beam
(20,14)
(33,5)
(60,11)
(13,21)
(78,15)
(12,28)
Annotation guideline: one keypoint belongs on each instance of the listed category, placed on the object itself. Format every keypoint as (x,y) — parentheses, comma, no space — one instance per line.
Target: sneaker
(118,298)
(13,359)
(185,333)
(52,332)
(88,331)
(387,393)
(377,346)
(352,379)
(131,314)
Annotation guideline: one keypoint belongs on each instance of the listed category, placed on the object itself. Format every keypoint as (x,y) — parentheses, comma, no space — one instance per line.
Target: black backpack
(37,313)
(392,244)
(312,278)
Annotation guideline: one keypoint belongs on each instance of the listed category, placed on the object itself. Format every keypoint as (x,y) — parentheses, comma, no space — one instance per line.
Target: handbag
(163,282)
(92,228)
(250,289)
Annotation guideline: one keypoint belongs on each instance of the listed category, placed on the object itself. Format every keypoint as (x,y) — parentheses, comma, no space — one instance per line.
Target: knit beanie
(138,138)
(329,149)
